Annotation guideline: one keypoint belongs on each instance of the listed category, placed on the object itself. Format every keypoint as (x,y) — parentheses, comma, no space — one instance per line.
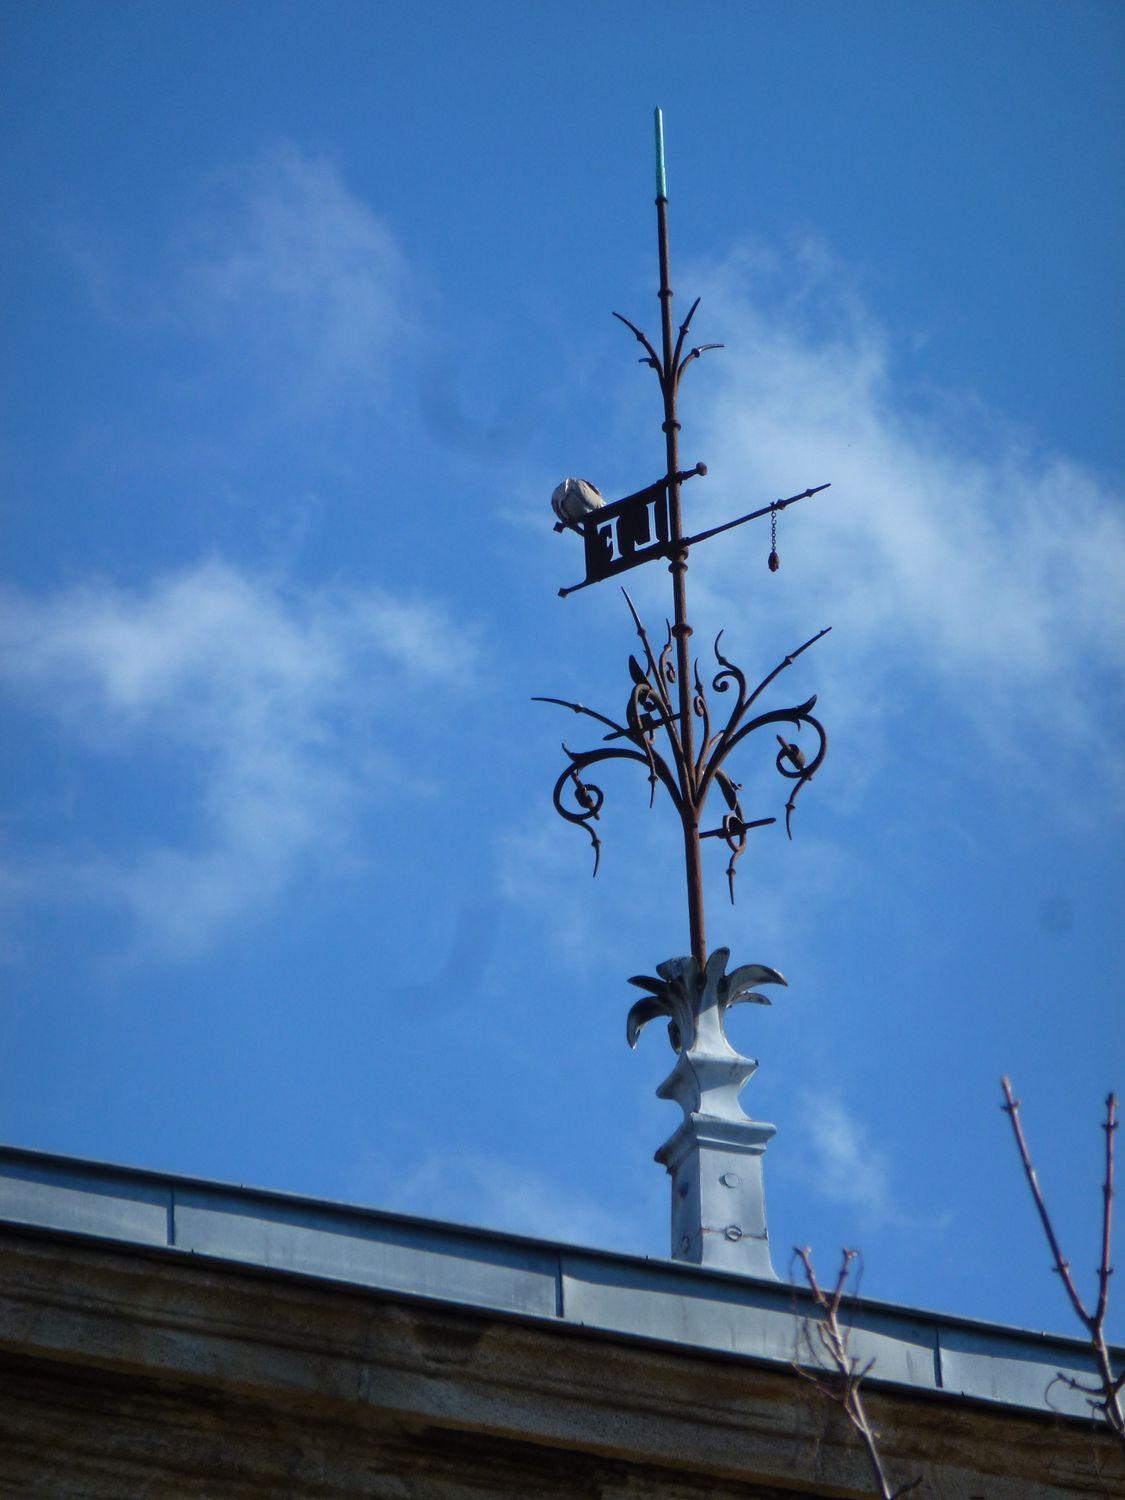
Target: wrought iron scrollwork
(668,725)
(653,737)
(679,361)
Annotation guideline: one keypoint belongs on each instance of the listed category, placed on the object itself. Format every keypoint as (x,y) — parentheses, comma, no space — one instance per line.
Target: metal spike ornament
(715,1156)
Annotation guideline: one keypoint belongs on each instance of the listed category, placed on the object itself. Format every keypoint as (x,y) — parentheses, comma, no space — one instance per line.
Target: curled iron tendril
(589,799)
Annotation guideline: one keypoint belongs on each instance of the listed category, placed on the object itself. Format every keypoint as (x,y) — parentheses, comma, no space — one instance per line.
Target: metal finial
(661,180)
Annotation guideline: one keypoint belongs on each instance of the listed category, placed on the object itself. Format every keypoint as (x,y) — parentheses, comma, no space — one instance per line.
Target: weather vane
(714,1157)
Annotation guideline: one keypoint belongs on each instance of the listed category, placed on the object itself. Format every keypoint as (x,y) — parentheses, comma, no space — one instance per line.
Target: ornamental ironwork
(669,725)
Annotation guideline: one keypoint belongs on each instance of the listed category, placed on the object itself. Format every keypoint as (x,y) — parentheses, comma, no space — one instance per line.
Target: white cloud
(840,1162)
(285,267)
(950,553)
(297,293)
(970,577)
(473,1187)
(264,693)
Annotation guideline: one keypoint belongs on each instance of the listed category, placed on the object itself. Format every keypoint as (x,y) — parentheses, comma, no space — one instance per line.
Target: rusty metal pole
(678,567)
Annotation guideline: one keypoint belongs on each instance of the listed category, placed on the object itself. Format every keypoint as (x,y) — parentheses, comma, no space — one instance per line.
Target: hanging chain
(774,560)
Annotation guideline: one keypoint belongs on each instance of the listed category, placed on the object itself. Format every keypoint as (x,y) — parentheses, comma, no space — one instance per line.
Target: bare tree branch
(1106,1396)
(845,1372)
(1105,1270)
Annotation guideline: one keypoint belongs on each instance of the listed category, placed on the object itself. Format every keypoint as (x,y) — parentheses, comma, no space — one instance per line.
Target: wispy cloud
(472,1187)
(842,1164)
(952,551)
(287,283)
(254,686)
(288,269)
(972,578)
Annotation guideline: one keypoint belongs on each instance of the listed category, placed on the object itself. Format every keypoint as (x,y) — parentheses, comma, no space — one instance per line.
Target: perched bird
(575,498)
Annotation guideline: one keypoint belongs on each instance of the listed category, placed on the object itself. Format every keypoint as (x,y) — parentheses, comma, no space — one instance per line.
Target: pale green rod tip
(661,180)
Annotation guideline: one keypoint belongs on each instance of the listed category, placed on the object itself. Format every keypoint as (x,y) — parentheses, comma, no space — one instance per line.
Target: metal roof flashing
(707,1310)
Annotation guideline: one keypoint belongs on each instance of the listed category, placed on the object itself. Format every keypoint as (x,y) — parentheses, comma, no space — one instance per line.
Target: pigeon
(575,498)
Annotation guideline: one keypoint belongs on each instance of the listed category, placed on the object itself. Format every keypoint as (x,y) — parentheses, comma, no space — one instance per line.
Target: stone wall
(127,1374)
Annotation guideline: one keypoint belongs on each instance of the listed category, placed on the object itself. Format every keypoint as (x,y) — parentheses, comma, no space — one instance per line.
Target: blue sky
(309,312)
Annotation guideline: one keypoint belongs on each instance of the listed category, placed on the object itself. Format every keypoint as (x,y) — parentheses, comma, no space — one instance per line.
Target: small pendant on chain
(774,560)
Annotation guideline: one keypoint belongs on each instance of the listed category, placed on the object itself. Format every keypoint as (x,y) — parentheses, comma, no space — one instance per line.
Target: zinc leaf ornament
(680,991)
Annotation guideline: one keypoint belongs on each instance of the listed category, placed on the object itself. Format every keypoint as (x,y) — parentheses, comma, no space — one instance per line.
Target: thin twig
(1106,1396)
(1105,1270)
(849,1374)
